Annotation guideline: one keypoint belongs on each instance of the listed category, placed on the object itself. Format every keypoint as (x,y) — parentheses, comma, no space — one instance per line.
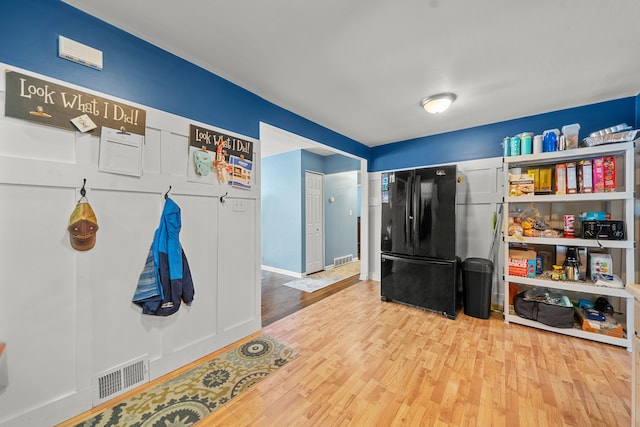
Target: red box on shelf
(598,175)
(522,263)
(609,171)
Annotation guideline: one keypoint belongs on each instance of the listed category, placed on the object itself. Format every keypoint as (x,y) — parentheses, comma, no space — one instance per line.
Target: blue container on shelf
(596,216)
(550,142)
(505,146)
(514,146)
(525,143)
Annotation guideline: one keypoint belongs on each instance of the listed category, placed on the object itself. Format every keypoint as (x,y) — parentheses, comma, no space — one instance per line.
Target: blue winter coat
(165,280)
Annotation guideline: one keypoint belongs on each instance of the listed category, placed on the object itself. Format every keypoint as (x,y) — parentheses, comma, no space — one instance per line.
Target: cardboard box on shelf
(522,263)
(598,175)
(572,180)
(610,327)
(609,169)
(521,184)
(600,263)
(546,180)
(561,178)
(585,177)
(536,178)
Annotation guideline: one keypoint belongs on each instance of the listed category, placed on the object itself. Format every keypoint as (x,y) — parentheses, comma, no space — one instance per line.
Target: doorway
(284,257)
(314,230)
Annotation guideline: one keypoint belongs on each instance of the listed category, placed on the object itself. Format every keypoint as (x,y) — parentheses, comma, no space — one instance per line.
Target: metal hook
(166,195)
(83,192)
(222,200)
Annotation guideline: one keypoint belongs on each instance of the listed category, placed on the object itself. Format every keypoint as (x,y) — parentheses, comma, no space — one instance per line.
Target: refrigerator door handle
(407,202)
(415,197)
(415,260)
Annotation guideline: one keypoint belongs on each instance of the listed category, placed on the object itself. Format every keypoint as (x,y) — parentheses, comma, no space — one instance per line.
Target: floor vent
(337,262)
(120,379)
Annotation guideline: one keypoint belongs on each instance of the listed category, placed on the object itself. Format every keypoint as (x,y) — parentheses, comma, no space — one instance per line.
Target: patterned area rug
(325,278)
(191,396)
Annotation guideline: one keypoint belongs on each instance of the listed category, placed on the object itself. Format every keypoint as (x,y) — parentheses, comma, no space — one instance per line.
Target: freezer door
(397,218)
(431,284)
(434,231)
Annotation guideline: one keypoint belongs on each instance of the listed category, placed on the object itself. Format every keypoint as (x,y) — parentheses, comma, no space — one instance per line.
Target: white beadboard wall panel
(68,315)
(38,288)
(198,237)
(15,134)
(151,159)
(238,298)
(173,153)
(127,225)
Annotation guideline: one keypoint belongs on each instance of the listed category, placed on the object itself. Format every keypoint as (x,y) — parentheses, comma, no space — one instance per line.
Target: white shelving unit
(625,195)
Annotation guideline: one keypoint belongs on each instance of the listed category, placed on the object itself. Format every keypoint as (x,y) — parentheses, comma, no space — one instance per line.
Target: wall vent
(117,380)
(337,262)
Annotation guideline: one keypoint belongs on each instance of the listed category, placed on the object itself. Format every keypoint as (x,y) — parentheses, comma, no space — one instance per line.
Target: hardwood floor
(279,301)
(364,362)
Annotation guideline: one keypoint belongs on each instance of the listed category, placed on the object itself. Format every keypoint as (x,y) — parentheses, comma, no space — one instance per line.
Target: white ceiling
(361,67)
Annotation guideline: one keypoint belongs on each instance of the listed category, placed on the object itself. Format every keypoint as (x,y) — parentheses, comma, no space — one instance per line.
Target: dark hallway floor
(279,301)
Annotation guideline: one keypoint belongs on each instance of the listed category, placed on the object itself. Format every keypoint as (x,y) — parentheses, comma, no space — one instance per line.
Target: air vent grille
(120,379)
(342,260)
(109,384)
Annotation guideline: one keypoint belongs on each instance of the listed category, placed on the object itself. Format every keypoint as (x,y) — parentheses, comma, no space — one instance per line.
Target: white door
(315,222)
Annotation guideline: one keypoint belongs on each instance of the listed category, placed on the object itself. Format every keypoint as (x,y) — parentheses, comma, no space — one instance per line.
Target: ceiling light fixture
(435,104)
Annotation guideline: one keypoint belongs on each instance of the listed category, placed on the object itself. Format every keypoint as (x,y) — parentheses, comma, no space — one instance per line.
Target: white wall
(478,198)
(67,316)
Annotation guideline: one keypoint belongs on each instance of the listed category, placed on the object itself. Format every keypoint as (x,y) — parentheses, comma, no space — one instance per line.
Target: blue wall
(138,71)
(337,163)
(484,141)
(282,216)
(340,216)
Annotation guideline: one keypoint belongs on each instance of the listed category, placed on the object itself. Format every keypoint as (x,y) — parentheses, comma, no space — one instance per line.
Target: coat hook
(83,192)
(222,200)
(166,195)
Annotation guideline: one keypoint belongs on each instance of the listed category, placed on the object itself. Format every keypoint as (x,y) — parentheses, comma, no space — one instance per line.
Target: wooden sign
(51,104)
(231,146)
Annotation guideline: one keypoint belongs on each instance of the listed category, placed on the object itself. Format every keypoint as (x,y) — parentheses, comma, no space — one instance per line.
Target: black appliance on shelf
(419,266)
(603,230)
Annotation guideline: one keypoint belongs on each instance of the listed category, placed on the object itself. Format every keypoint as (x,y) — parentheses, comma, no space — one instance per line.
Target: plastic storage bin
(477,281)
(571,136)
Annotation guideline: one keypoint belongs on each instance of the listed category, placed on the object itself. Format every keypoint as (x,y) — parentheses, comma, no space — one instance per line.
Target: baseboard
(281,271)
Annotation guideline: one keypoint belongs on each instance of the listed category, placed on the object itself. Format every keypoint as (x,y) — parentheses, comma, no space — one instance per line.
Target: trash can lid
(478,264)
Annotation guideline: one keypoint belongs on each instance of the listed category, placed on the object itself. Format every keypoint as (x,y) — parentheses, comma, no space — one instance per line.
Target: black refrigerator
(419,263)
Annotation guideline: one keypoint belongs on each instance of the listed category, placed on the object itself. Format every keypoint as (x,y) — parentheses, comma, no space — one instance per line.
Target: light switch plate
(238,205)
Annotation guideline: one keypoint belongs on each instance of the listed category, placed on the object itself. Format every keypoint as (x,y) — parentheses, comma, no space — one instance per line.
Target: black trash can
(477,280)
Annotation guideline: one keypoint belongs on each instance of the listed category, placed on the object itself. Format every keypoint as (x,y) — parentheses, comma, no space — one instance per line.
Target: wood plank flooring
(364,362)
